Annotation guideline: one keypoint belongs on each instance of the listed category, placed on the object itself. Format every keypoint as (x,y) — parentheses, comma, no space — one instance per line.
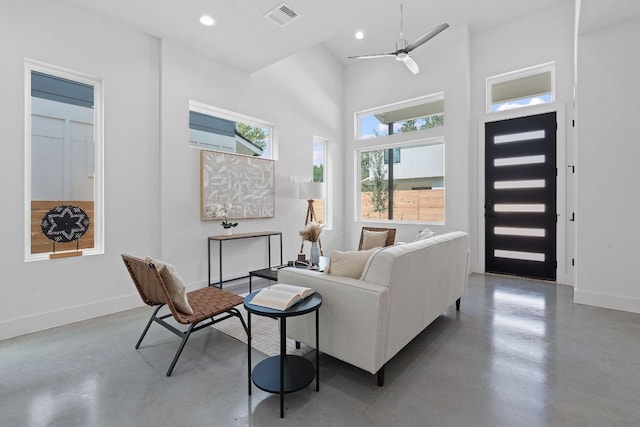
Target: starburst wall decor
(65,223)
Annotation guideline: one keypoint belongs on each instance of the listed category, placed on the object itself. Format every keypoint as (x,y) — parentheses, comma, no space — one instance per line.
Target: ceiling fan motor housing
(401,45)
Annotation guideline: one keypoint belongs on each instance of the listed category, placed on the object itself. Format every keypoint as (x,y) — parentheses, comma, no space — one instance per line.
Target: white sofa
(366,321)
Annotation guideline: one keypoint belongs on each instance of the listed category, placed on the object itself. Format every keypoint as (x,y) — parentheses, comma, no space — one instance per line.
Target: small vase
(227,231)
(314,256)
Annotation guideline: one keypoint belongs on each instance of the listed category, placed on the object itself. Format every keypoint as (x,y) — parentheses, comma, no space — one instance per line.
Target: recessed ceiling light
(207,20)
(359,35)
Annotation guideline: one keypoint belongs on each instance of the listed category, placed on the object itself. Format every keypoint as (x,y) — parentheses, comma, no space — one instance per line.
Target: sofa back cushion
(350,263)
(416,261)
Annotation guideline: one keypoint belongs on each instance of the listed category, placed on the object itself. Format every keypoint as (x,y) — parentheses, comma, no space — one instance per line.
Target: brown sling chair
(391,235)
(206,303)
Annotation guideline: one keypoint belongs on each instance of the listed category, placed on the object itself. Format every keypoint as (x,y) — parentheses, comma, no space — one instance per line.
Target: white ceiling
(244,39)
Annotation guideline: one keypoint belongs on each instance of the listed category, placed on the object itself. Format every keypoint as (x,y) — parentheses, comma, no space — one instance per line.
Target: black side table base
(284,373)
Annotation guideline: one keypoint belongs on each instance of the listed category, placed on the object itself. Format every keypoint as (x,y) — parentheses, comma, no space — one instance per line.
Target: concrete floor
(519,353)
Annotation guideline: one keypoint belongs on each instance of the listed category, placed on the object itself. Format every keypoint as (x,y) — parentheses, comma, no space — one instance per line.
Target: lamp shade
(311,190)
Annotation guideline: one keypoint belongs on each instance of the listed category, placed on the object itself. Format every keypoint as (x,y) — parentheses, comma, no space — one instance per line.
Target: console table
(220,239)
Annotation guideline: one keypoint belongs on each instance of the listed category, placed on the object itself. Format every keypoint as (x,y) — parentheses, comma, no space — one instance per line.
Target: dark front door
(520,196)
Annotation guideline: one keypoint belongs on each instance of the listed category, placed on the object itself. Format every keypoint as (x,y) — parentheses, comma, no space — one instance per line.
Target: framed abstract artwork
(246,182)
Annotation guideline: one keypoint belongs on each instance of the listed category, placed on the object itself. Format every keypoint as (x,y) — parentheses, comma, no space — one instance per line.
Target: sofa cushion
(349,263)
(174,284)
(373,239)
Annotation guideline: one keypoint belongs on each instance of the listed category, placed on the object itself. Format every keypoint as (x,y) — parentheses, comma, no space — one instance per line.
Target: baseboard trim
(615,302)
(41,321)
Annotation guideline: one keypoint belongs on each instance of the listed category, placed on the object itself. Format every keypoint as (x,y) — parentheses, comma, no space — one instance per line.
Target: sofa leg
(380,375)
(298,345)
(458,304)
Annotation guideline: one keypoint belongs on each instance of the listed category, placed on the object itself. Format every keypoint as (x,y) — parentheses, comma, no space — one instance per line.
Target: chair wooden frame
(210,305)
(391,235)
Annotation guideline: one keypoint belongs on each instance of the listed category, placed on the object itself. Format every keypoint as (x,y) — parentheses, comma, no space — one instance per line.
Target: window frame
(325,176)
(98,133)
(221,113)
(425,138)
(400,105)
(549,67)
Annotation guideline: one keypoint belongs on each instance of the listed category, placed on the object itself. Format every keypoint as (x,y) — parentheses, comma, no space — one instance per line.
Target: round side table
(284,373)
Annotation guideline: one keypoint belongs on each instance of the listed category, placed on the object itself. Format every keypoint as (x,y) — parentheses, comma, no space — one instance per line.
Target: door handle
(489,209)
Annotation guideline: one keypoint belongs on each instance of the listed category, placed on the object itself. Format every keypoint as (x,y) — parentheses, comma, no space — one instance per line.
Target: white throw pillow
(424,234)
(174,284)
(350,263)
(373,239)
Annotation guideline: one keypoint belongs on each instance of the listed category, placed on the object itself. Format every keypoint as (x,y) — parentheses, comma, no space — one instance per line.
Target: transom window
(521,88)
(408,116)
(212,128)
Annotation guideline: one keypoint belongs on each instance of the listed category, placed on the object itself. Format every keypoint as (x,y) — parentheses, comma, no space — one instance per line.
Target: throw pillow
(373,239)
(424,234)
(349,263)
(174,284)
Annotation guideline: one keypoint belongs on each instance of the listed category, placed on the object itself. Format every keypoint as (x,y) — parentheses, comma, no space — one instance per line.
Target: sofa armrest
(353,317)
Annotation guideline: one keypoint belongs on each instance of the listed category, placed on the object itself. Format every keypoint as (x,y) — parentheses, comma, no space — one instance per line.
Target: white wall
(151,175)
(608,150)
(301,95)
(41,294)
(444,66)
(533,40)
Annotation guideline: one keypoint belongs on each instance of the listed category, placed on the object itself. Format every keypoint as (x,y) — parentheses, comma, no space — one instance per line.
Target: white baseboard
(616,302)
(41,321)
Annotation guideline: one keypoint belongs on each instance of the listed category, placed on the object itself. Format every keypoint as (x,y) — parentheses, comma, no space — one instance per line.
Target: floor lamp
(311,191)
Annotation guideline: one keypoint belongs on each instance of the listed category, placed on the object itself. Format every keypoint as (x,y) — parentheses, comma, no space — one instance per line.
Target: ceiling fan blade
(372,56)
(411,65)
(427,36)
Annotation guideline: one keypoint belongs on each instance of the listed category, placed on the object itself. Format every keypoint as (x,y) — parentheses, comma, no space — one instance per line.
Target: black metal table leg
(317,350)
(220,265)
(249,349)
(283,354)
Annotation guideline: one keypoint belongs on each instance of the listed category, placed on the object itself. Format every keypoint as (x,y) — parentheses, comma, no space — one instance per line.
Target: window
(402,179)
(409,116)
(411,189)
(522,88)
(63,163)
(216,129)
(319,175)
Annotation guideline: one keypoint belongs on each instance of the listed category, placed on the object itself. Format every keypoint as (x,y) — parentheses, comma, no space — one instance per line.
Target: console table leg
(220,265)
(249,349)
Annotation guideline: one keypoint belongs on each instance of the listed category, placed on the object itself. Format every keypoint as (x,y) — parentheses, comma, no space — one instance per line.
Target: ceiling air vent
(282,15)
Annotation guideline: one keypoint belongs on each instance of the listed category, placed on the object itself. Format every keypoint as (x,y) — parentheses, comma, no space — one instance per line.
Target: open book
(281,296)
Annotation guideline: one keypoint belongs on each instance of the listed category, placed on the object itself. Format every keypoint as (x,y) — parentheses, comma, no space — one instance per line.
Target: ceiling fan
(402,48)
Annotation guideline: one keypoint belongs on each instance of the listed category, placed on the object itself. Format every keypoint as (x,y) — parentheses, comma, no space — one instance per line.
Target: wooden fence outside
(408,205)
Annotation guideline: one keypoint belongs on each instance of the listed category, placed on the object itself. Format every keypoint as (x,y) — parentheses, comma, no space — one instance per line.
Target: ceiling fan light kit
(402,48)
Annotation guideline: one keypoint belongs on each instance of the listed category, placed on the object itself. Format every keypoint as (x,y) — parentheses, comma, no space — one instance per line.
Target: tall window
(410,189)
(216,129)
(521,88)
(402,179)
(319,175)
(63,163)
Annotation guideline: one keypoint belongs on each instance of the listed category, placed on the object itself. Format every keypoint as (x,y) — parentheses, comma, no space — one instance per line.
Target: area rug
(265,333)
